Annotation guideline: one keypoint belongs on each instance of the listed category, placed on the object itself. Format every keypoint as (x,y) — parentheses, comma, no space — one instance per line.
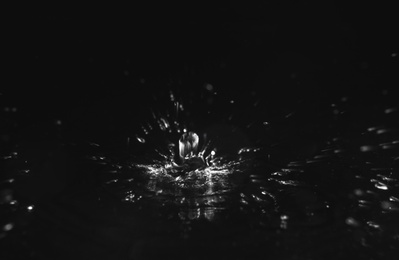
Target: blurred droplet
(380,185)
(390,110)
(358,192)
(209,87)
(140,139)
(8,227)
(6,196)
(367,148)
(352,222)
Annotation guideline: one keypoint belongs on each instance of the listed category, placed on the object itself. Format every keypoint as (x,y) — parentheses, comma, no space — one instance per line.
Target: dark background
(97,68)
(79,74)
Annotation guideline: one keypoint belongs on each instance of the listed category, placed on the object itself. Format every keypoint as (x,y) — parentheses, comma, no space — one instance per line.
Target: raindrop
(289,115)
(209,87)
(367,148)
(8,227)
(358,192)
(352,222)
(381,186)
(188,145)
(390,110)
(373,224)
(284,223)
(172,96)
(140,139)
(382,131)
(393,198)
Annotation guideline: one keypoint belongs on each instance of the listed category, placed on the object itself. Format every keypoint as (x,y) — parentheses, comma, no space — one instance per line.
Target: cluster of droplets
(167,123)
(195,170)
(14,210)
(348,187)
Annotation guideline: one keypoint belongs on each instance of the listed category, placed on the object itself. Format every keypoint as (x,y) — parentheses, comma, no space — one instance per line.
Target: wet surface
(229,140)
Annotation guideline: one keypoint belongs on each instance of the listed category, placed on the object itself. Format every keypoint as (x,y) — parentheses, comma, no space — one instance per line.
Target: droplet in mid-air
(188,151)
(188,145)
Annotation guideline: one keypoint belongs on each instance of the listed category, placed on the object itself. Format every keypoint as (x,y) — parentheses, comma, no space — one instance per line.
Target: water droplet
(383,131)
(373,224)
(390,110)
(367,148)
(58,122)
(172,96)
(284,221)
(393,198)
(387,146)
(30,208)
(371,129)
(112,181)
(394,54)
(358,192)
(380,185)
(140,139)
(8,227)
(188,145)
(352,222)
(209,87)
(289,115)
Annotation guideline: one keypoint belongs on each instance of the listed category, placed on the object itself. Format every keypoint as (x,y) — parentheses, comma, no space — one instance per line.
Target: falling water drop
(140,139)
(8,227)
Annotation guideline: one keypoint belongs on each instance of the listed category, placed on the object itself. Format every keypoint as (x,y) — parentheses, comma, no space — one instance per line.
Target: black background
(86,65)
